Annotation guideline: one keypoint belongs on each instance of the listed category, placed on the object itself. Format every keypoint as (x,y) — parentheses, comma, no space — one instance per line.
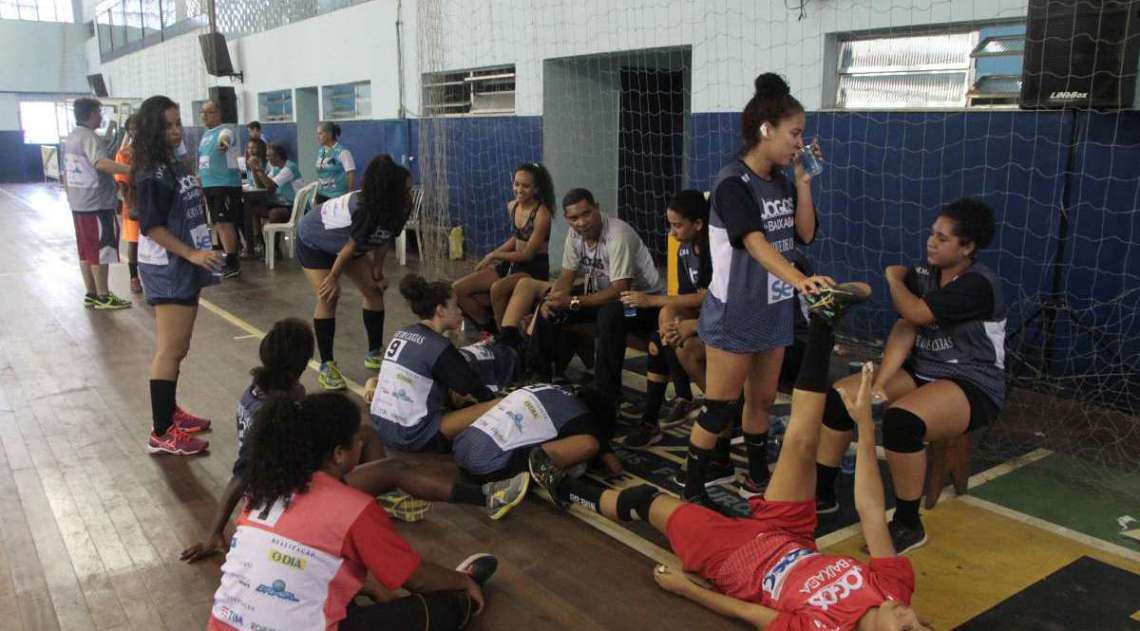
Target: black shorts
(983,410)
(224,204)
(185,302)
(314,258)
(538,268)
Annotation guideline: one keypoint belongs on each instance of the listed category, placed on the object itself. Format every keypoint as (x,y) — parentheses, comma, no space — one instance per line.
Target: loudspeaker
(97,84)
(1081,53)
(215,54)
(226,100)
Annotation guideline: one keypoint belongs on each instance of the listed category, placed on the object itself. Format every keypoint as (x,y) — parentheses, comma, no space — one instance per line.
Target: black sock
(325,328)
(722,453)
(654,395)
(510,335)
(134,269)
(697,471)
(581,493)
(825,477)
(757,447)
(467,493)
(374,327)
(231,259)
(162,397)
(906,511)
(681,385)
(817,357)
(91,295)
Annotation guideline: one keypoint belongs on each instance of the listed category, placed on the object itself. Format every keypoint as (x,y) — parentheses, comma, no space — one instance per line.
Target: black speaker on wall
(215,54)
(226,100)
(1081,53)
(98,86)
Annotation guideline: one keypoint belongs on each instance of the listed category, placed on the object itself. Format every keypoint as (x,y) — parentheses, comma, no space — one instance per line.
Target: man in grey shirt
(612,258)
(88,168)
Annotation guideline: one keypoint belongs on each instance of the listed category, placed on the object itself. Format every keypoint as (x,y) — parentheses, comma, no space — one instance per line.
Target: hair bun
(413,287)
(771,84)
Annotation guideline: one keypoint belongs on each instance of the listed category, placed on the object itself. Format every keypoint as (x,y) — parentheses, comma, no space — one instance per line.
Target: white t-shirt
(619,254)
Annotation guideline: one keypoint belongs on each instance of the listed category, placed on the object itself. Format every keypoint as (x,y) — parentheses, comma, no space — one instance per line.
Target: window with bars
(968,68)
(37,10)
(484,91)
(347,100)
(277,106)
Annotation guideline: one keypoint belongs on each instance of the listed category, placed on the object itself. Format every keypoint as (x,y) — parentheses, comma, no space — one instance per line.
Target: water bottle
(847,465)
(810,163)
(630,311)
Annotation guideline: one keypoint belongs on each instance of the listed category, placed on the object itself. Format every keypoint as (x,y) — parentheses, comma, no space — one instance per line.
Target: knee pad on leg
(658,364)
(718,415)
(635,502)
(835,414)
(903,431)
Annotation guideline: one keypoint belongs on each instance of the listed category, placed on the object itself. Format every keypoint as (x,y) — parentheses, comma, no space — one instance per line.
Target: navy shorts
(983,410)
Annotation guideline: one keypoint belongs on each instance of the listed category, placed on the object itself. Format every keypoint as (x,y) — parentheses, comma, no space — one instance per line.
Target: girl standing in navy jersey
(757,215)
(176,261)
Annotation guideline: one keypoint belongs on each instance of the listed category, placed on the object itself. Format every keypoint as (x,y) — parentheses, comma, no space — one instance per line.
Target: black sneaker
(826,505)
(718,474)
(705,500)
(831,303)
(906,538)
(750,488)
(479,566)
(546,474)
(231,271)
(643,437)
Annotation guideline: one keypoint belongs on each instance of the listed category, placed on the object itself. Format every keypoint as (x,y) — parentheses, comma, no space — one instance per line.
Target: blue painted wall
(19,162)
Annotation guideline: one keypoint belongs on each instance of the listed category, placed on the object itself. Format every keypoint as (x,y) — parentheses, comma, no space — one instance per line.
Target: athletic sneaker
(330,377)
(683,410)
(231,271)
(136,285)
(643,437)
(705,500)
(89,301)
(189,423)
(831,303)
(826,505)
(545,473)
(110,302)
(629,409)
(399,505)
(749,488)
(718,473)
(177,442)
(504,495)
(373,360)
(906,538)
(479,566)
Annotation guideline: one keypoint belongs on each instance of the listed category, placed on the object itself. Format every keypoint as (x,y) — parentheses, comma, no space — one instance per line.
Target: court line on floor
(978,479)
(253,331)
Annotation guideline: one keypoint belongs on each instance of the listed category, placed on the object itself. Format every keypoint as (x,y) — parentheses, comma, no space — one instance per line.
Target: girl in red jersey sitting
(765,569)
(306,542)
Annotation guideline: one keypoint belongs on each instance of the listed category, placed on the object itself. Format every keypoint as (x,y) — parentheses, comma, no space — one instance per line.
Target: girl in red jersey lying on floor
(306,542)
(765,569)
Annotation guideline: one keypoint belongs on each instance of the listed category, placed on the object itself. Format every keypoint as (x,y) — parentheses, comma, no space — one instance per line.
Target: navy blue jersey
(170,196)
(332,224)
(962,343)
(250,402)
(694,269)
(528,416)
(497,365)
(420,366)
(748,309)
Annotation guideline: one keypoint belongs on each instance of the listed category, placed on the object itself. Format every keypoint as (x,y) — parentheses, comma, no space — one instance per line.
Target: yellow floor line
(253,331)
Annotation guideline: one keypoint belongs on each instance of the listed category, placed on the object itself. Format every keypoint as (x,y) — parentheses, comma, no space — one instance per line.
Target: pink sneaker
(189,423)
(176,442)
(136,286)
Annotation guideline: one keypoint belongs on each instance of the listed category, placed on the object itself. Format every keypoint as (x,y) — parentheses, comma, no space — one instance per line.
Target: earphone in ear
(765,130)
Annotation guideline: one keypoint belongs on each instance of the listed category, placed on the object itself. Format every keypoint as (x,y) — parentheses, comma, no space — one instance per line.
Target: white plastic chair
(301,202)
(414,224)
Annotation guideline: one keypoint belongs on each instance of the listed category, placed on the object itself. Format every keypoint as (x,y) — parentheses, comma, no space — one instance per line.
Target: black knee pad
(658,364)
(835,414)
(718,415)
(635,502)
(903,431)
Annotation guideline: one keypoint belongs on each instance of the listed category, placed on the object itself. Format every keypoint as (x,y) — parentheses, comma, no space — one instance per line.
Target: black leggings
(430,611)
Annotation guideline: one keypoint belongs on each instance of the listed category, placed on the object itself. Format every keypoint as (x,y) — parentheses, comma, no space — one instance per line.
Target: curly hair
(973,221)
(423,297)
(542,181)
(292,440)
(384,192)
(284,353)
(772,102)
(149,149)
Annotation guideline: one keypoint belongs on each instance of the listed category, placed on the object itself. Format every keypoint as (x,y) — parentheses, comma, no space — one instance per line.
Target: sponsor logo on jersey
(774,580)
(229,615)
(277,590)
(833,583)
(294,562)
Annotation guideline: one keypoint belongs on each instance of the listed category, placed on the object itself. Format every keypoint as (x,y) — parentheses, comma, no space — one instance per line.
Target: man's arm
(110,167)
(609,294)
